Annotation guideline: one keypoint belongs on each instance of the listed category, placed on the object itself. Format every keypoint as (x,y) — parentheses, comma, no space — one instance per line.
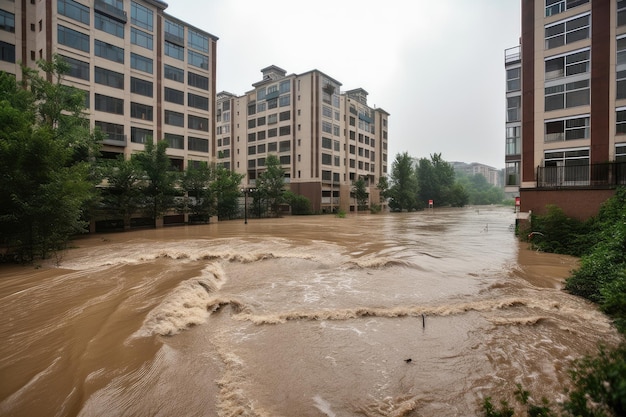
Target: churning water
(411,314)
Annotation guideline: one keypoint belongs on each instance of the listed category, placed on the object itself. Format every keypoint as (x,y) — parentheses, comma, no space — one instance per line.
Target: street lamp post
(245,192)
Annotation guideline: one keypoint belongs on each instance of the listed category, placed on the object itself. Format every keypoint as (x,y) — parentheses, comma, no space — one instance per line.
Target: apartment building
(325,139)
(572,110)
(146,74)
(491,174)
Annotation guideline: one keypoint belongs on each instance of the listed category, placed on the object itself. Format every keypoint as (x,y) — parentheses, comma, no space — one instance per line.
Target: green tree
(435,179)
(271,183)
(199,201)
(403,187)
(383,187)
(122,196)
(46,179)
(158,187)
(226,189)
(359,191)
(300,205)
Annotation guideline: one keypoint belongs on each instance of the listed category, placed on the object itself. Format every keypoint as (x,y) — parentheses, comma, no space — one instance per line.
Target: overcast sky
(437,66)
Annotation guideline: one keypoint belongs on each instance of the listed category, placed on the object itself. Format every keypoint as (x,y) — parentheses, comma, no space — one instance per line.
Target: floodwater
(298,316)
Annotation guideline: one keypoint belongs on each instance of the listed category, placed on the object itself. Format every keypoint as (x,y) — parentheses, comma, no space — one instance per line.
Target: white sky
(437,66)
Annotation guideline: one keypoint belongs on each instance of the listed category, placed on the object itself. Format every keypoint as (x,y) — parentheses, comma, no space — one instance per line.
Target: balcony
(512,55)
(111,11)
(606,175)
(115,139)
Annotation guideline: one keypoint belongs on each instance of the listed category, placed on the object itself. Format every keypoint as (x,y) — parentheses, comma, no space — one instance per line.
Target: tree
(225,189)
(199,201)
(383,187)
(158,186)
(435,178)
(300,205)
(122,196)
(403,190)
(46,179)
(359,191)
(271,183)
(479,191)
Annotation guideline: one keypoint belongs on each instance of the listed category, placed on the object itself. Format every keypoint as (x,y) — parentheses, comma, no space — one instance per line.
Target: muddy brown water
(298,316)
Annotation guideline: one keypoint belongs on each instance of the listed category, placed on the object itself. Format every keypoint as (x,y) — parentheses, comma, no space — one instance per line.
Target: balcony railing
(609,174)
(512,54)
(111,11)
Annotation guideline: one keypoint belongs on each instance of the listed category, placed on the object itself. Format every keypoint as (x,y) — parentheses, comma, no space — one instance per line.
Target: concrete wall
(576,203)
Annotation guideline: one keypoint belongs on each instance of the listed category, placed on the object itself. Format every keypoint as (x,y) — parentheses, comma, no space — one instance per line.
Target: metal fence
(607,174)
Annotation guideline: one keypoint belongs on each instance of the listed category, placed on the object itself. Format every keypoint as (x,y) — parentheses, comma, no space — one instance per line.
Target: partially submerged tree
(359,191)
(199,201)
(46,177)
(226,190)
(271,183)
(121,198)
(403,187)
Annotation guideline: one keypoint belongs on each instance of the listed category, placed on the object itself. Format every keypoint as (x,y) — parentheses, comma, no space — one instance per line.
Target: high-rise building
(325,139)
(146,74)
(570,109)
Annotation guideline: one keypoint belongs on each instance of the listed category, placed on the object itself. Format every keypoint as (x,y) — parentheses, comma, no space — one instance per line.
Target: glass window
(567,65)
(72,38)
(327,143)
(73,10)
(284,146)
(108,104)
(174,118)
(198,81)
(78,69)
(285,115)
(197,60)
(198,123)
(173,73)
(620,122)
(141,38)
(513,105)
(567,129)
(284,130)
(559,6)
(143,87)
(175,32)
(109,25)
(174,51)
(513,141)
(7,21)
(621,12)
(567,95)
(198,41)
(108,51)
(107,77)
(327,159)
(513,79)
(197,102)
(112,131)
(284,100)
(141,16)
(566,32)
(285,86)
(174,96)
(138,135)
(175,141)
(141,111)
(141,63)
(197,144)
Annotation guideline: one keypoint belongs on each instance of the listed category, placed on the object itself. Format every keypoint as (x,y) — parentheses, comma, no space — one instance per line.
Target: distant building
(566,105)
(491,174)
(324,138)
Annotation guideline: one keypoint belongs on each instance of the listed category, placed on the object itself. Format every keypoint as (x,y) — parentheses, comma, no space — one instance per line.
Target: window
(198,81)
(112,131)
(272,119)
(284,87)
(621,12)
(175,141)
(174,32)
(570,166)
(272,147)
(285,115)
(567,95)
(284,130)
(513,105)
(140,111)
(327,111)
(141,38)
(197,144)
(284,146)
(620,121)
(72,38)
(327,127)
(284,100)
(567,129)
(174,118)
(173,73)
(197,40)
(251,108)
(174,96)
(271,133)
(109,104)
(78,69)
(567,65)
(566,32)
(621,84)
(272,103)
(620,152)
(261,135)
(138,135)
(251,137)
(107,77)
(197,60)
(139,86)
(559,6)
(141,16)
(251,123)
(260,148)
(513,141)
(108,51)
(251,150)
(197,102)
(174,51)
(198,123)
(141,63)
(327,159)
(7,21)
(108,25)
(327,143)
(285,159)
(261,107)
(71,9)
(260,121)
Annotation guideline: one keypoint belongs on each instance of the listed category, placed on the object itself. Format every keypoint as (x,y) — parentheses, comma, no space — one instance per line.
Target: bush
(556,233)
(340,213)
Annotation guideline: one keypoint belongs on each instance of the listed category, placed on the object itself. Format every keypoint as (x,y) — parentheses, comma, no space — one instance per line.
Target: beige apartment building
(324,138)
(566,105)
(145,73)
